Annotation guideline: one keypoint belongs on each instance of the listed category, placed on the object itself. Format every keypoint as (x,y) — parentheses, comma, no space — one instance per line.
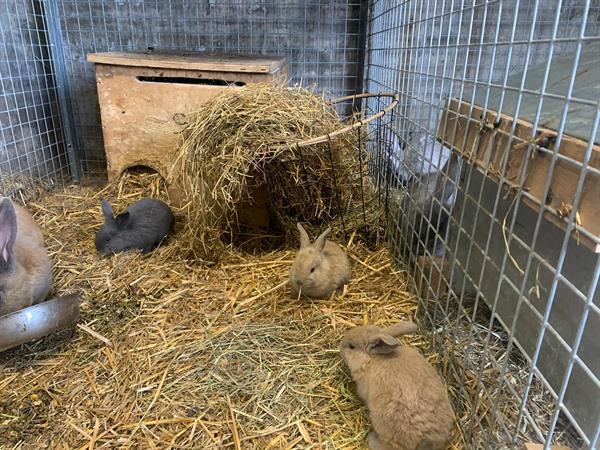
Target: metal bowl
(37,321)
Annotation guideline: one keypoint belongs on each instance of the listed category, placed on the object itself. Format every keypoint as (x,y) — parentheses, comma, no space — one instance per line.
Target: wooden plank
(218,62)
(530,446)
(483,143)
(140,120)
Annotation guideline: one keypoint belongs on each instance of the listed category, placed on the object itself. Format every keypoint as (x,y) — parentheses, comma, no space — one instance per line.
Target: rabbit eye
(312,269)
(107,238)
(351,346)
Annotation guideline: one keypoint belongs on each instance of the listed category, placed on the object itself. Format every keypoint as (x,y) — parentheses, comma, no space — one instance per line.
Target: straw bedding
(172,354)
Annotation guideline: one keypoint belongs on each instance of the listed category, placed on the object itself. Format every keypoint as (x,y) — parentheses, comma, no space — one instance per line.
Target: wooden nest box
(144,97)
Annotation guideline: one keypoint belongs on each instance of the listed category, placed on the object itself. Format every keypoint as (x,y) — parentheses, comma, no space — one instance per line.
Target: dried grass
(173,354)
(487,397)
(490,400)
(244,141)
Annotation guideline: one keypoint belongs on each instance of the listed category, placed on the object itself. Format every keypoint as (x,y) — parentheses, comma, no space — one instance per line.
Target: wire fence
(32,145)
(494,157)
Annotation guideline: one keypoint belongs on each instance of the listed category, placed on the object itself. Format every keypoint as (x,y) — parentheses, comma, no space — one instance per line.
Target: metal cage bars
(398,33)
(425,50)
(32,141)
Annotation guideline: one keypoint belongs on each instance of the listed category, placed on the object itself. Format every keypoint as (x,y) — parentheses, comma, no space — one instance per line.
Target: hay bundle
(246,139)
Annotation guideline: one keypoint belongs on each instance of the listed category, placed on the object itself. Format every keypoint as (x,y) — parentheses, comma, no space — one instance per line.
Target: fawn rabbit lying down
(407,401)
(25,269)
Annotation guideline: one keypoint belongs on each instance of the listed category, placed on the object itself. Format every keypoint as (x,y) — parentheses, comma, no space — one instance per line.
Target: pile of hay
(245,140)
(172,354)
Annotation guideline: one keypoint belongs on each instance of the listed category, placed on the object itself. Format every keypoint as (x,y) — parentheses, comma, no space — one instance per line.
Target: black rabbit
(144,225)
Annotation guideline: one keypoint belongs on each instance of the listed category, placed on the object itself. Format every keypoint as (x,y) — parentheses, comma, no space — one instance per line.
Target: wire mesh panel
(32,146)
(494,162)
(322,40)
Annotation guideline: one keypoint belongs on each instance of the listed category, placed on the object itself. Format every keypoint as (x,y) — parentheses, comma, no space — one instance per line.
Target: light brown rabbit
(319,268)
(406,398)
(25,269)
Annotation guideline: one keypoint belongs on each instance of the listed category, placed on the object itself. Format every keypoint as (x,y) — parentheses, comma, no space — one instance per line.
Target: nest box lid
(206,61)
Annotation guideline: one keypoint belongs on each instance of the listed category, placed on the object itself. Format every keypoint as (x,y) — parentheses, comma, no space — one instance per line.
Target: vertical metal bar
(360,173)
(388,168)
(336,194)
(362,65)
(62,83)
(577,343)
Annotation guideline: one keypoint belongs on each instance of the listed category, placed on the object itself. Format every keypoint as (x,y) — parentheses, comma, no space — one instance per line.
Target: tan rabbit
(407,401)
(320,268)
(25,269)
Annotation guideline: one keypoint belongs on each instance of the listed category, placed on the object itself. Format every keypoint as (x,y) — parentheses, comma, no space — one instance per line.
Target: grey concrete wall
(31,141)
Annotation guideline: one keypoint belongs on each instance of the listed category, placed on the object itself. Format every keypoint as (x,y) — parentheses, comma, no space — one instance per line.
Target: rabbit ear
(304,239)
(401,328)
(8,231)
(122,220)
(320,242)
(381,344)
(107,211)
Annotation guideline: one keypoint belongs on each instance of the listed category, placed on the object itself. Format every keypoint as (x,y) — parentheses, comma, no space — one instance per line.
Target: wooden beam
(482,140)
(205,61)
